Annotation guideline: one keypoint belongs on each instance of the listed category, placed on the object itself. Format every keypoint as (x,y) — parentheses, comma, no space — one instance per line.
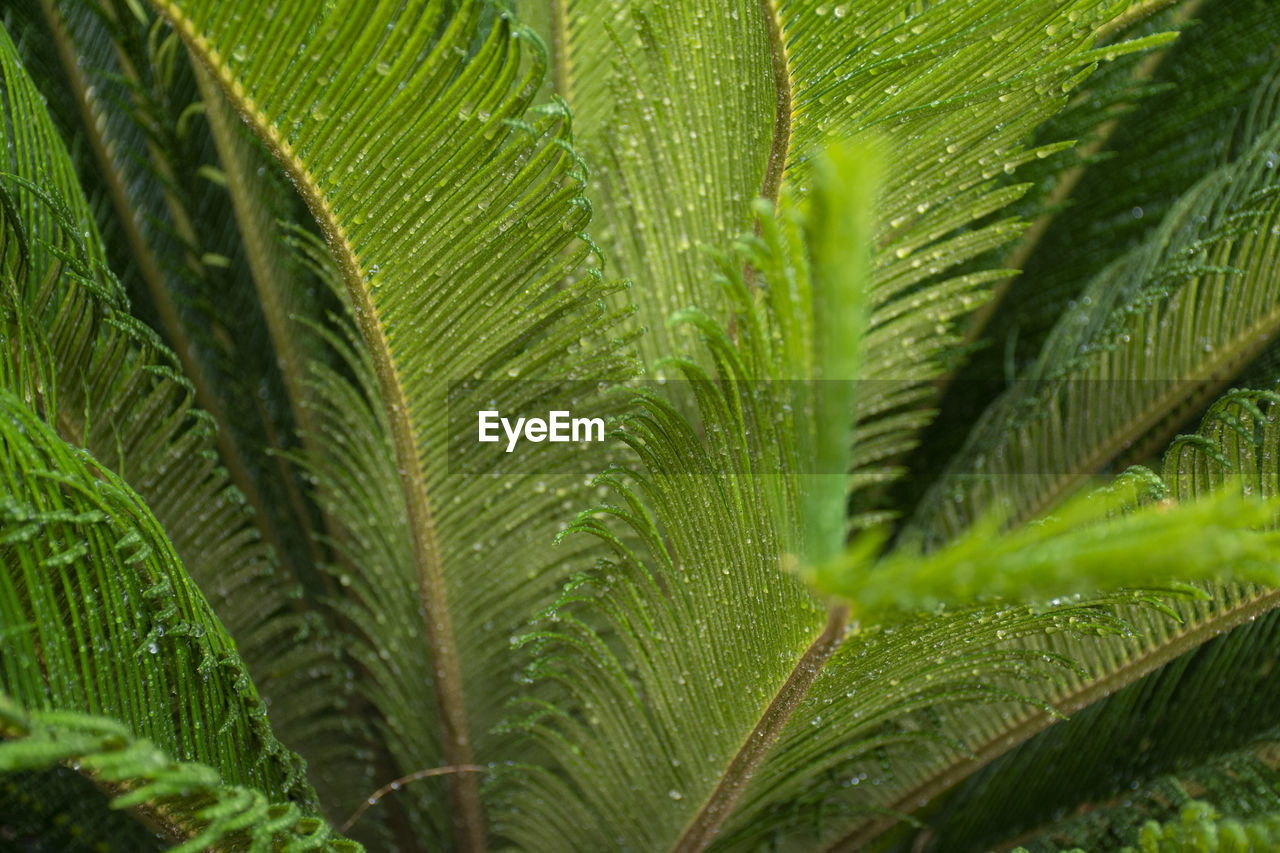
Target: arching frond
(84,559)
(1118,366)
(422,225)
(738,647)
(123,89)
(837,70)
(1225,803)
(704,611)
(1229,450)
(106,384)
(188,802)
(1162,140)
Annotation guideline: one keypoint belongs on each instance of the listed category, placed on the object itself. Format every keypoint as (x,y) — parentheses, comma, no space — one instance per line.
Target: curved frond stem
(464,791)
(149,269)
(781,144)
(396,784)
(1137,12)
(1037,719)
(707,822)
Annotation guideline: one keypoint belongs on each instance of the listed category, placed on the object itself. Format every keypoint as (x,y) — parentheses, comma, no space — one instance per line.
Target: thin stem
(780,145)
(397,784)
(258,233)
(779,148)
(561,78)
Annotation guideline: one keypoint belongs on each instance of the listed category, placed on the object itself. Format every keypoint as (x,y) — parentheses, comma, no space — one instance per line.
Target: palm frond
(870,66)
(1227,455)
(84,559)
(1068,553)
(703,611)
(173,235)
(1165,137)
(1116,368)
(104,382)
(1213,701)
(188,802)
(1226,803)
(450,297)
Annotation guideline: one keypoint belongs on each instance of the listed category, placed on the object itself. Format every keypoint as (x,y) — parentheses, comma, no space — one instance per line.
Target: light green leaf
(188,802)
(101,618)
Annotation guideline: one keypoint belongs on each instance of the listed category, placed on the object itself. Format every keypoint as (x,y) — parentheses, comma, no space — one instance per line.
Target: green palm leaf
(188,802)
(106,384)
(744,650)
(101,619)
(1111,372)
(183,251)
(703,612)
(838,69)
(1211,701)
(450,297)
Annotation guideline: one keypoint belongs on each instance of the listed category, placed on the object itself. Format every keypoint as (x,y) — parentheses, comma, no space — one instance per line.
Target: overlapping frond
(126,94)
(1119,366)
(1230,450)
(1207,702)
(688,688)
(1182,125)
(669,178)
(456,238)
(676,109)
(700,614)
(105,383)
(702,611)
(1069,553)
(1227,803)
(100,617)
(191,807)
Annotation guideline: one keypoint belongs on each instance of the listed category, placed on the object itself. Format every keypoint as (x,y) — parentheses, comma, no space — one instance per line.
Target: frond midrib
(1037,720)
(784,102)
(704,826)
(710,817)
(561,72)
(464,791)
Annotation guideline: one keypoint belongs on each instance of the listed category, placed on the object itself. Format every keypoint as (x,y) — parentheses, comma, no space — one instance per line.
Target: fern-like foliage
(760,766)
(190,802)
(262,264)
(1205,273)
